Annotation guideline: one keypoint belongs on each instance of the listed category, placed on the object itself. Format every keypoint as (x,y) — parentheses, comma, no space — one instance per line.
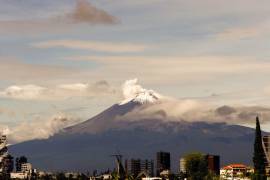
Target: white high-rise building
(182,165)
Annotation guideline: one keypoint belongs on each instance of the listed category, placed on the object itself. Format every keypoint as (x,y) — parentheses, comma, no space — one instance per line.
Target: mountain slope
(86,151)
(103,121)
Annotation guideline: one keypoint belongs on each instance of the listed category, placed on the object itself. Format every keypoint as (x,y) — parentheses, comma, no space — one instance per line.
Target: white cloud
(23,92)
(197,111)
(60,92)
(131,89)
(113,47)
(38,129)
(74,87)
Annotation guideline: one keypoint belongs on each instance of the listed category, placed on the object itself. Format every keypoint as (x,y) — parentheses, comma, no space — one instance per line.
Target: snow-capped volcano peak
(147,96)
(134,92)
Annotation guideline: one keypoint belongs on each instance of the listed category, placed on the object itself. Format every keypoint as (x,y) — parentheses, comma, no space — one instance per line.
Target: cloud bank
(194,111)
(189,110)
(60,92)
(38,129)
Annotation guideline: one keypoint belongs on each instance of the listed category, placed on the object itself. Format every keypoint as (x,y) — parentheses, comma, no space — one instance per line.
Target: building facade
(26,167)
(19,161)
(266,148)
(163,162)
(235,171)
(182,165)
(213,162)
(136,166)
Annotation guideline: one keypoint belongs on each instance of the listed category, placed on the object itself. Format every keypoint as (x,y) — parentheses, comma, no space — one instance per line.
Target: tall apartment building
(163,162)
(136,166)
(213,162)
(182,165)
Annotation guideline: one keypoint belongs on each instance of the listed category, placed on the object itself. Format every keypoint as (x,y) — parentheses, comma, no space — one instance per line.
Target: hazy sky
(71,57)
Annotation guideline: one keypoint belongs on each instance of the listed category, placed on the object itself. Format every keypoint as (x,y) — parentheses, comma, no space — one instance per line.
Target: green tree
(115,175)
(258,155)
(196,166)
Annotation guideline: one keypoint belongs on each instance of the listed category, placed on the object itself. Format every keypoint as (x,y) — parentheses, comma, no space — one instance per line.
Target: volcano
(121,128)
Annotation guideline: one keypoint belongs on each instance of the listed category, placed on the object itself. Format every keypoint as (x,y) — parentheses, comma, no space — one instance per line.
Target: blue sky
(71,57)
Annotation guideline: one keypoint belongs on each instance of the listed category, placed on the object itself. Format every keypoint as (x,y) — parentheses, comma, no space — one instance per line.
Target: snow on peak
(132,91)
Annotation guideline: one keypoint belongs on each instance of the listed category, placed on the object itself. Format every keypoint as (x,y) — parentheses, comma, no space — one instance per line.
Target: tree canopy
(258,155)
(196,166)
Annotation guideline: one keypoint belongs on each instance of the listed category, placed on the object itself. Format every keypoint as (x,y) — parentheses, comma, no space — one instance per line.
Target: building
(147,166)
(6,160)
(213,162)
(266,148)
(235,171)
(19,161)
(18,175)
(163,162)
(136,166)
(182,165)
(152,178)
(24,173)
(3,152)
(26,167)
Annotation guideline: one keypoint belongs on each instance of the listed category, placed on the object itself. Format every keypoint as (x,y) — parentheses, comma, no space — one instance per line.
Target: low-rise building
(26,167)
(18,175)
(26,171)
(235,171)
(152,178)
